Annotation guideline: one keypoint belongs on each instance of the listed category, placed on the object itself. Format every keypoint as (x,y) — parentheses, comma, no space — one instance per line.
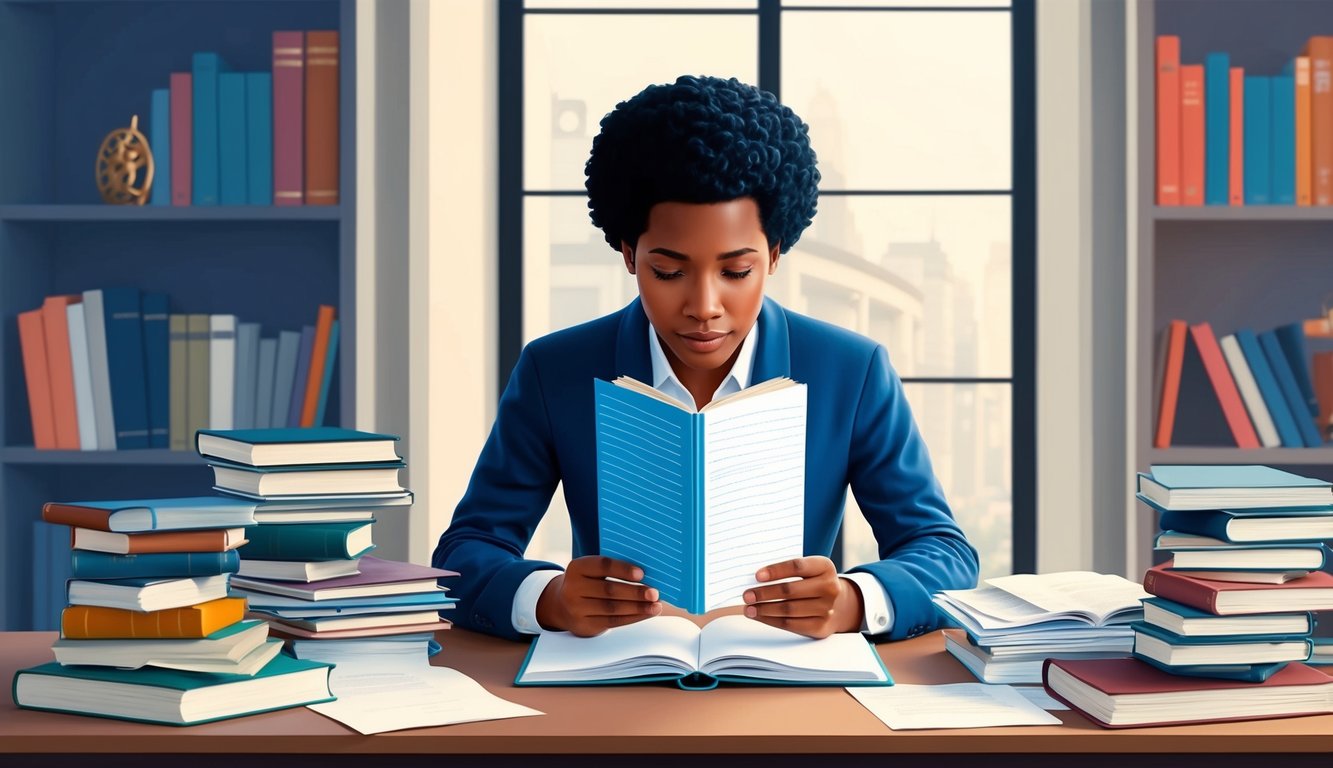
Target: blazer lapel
(632,358)
(773,357)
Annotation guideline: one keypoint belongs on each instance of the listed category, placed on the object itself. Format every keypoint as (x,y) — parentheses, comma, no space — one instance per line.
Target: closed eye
(733,275)
(660,275)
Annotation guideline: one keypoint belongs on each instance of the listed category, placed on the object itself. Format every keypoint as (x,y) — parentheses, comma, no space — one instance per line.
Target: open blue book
(701,501)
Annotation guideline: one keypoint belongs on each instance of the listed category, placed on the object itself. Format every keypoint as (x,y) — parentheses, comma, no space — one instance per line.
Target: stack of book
(305,569)
(1012,624)
(150,632)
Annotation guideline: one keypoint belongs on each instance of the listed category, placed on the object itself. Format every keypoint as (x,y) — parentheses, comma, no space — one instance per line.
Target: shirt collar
(738,378)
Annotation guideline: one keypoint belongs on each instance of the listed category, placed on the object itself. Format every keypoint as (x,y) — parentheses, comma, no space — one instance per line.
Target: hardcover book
(377,577)
(1225,598)
(242,648)
(198,620)
(312,541)
(1195,486)
(1183,620)
(306,481)
(203,540)
(278,447)
(133,515)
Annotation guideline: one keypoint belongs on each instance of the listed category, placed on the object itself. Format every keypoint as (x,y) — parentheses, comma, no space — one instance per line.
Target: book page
(735,645)
(956,705)
(754,490)
(1099,596)
(659,645)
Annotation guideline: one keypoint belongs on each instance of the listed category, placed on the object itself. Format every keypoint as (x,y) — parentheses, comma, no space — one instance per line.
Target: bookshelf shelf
(156,457)
(1278,213)
(111,213)
(1224,455)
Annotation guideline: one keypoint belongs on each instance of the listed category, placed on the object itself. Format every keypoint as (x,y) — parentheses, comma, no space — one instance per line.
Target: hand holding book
(586,600)
(807,597)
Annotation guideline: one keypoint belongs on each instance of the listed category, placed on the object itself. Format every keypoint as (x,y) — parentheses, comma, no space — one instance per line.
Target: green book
(168,696)
(307,542)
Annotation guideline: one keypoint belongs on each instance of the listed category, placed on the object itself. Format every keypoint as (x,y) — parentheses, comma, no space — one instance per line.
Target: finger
(812,608)
(810,627)
(603,589)
(605,607)
(801,567)
(601,567)
(793,590)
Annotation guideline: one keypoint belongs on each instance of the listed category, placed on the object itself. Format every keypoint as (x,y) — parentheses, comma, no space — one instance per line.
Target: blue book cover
(1291,391)
(259,137)
(205,70)
(159,140)
(1258,141)
(1231,527)
(1292,338)
(233,134)
(87,564)
(134,515)
(1174,639)
(125,357)
(297,395)
(1282,89)
(326,379)
(157,373)
(308,541)
(1187,476)
(298,435)
(1268,389)
(1197,616)
(1249,673)
(1217,128)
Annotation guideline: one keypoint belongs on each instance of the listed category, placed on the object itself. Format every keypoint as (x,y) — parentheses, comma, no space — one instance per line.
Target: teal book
(1217,128)
(1291,337)
(171,697)
(205,71)
(1187,621)
(87,564)
(302,480)
(134,515)
(701,501)
(1282,93)
(259,137)
(726,649)
(1248,673)
(159,141)
(1258,140)
(1274,525)
(326,379)
(233,136)
(1199,486)
(308,541)
(1204,553)
(1269,390)
(1290,388)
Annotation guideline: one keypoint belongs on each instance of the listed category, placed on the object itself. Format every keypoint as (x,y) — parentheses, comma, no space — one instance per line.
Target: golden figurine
(125,166)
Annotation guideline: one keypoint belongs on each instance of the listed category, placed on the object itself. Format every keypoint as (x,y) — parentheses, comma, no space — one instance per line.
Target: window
(921,114)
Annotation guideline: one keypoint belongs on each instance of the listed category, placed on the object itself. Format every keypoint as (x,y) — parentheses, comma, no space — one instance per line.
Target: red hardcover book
(182,137)
(32,340)
(1170,373)
(1236,184)
(288,118)
(323,329)
(1232,598)
(1225,386)
(60,368)
(1128,693)
(321,117)
(1191,134)
(1168,120)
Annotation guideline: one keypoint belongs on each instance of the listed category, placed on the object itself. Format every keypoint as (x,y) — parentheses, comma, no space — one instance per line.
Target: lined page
(754,490)
(643,487)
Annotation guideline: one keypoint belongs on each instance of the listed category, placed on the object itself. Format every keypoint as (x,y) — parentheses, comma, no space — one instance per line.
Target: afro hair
(701,140)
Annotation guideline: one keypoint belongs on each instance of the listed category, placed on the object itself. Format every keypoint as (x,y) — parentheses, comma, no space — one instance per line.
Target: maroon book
(288,118)
(377,577)
(182,137)
(1128,693)
(1229,598)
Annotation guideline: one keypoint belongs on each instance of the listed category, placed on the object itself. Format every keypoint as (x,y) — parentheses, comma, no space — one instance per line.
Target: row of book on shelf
(1244,389)
(113,368)
(177,605)
(220,137)
(1230,137)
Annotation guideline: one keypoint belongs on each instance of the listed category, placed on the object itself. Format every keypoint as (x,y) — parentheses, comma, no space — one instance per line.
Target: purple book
(288,113)
(302,373)
(377,577)
(182,137)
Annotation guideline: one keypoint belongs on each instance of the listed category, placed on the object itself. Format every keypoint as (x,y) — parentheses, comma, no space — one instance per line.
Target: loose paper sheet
(958,705)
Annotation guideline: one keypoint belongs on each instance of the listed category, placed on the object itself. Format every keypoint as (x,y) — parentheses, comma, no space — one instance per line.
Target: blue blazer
(859,433)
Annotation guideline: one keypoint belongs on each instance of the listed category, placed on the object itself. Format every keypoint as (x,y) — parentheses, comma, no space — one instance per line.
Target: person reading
(701,186)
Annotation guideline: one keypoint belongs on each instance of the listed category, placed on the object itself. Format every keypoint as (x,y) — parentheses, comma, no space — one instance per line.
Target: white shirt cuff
(879,609)
(524,613)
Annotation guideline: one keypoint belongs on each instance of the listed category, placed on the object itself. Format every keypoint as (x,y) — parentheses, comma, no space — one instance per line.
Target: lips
(703,343)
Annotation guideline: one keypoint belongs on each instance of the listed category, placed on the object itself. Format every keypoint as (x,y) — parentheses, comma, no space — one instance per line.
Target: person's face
(701,269)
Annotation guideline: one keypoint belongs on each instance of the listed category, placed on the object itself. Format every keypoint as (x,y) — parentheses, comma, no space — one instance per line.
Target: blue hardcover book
(1249,673)
(1321,651)
(125,357)
(296,398)
(327,378)
(1217,128)
(157,373)
(233,135)
(135,515)
(159,140)
(308,542)
(1258,141)
(1269,389)
(259,137)
(1187,621)
(1244,486)
(297,608)
(674,499)
(245,379)
(1292,338)
(205,71)
(87,564)
(1282,89)
(1291,391)
(1290,525)
(1200,553)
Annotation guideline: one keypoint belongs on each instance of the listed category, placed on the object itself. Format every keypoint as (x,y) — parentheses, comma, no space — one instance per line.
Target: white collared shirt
(878,610)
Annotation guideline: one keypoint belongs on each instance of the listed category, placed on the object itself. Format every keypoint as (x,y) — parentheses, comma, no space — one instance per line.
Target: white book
(268,356)
(297,570)
(242,648)
(146,543)
(149,594)
(263,483)
(284,376)
(363,621)
(221,370)
(83,376)
(1249,392)
(94,321)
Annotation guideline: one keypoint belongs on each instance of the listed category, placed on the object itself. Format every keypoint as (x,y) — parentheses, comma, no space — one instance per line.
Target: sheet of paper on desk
(374,697)
(1038,695)
(958,705)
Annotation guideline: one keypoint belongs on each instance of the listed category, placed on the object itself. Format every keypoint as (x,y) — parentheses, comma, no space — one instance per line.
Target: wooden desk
(646,724)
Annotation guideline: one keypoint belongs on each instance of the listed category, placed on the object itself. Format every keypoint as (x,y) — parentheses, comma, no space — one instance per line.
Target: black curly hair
(701,140)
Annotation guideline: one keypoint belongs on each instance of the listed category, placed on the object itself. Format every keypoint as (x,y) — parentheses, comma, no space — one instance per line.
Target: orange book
(1321,371)
(1320,52)
(1168,120)
(1191,134)
(321,117)
(323,327)
(1302,77)
(1236,184)
(1175,356)
(1233,408)
(60,368)
(32,340)
(90,621)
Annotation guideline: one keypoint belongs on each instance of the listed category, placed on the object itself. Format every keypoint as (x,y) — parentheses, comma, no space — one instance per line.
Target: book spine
(103,565)
(1258,141)
(259,138)
(1232,407)
(284,374)
(83,377)
(326,380)
(222,370)
(78,517)
(32,340)
(182,137)
(697,461)
(320,350)
(97,622)
(1249,392)
(1217,115)
(296,398)
(268,356)
(1269,391)
(1175,356)
(198,375)
(207,67)
(1191,134)
(156,353)
(1291,392)
(94,317)
(1292,339)
(60,369)
(1320,51)
(159,141)
(178,364)
(1303,161)
(1168,120)
(246,375)
(288,113)
(1282,111)
(297,542)
(125,353)
(321,117)
(1180,589)
(1238,147)
(233,132)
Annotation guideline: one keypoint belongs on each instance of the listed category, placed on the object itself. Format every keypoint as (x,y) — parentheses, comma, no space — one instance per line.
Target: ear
(774,254)
(627,253)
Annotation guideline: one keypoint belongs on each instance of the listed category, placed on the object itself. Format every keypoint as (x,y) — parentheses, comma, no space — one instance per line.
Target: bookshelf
(74,70)
(1251,266)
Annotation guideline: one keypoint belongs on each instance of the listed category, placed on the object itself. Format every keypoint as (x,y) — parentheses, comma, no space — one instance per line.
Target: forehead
(708,226)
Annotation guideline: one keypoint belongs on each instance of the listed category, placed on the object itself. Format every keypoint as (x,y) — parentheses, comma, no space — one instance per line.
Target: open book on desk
(701,501)
(727,649)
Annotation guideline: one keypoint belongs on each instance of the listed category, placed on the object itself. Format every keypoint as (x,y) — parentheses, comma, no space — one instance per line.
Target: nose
(705,299)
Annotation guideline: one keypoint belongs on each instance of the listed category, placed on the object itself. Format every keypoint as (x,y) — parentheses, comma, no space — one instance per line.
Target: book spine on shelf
(1301,68)
(288,113)
(1236,184)
(318,353)
(326,379)
(95,328)
(1175,356)
(156,350)
(182,137)
(83,376)
(1225,387)
(246,375)
(1258,141)
(296,398)
(87,564)
(259,137)
(321,117)
(207,67)
(178,365)
(1217,115)
(284,374)
(268,356)
(32,340)
(159,141)
(233,131)
(1282,111)
(198,376)
(1320,51)
(1168,120)
(1191,134)
(221,370)
(60,369)
(1291,392)
(1269,391)
(122,315)
(1248,388)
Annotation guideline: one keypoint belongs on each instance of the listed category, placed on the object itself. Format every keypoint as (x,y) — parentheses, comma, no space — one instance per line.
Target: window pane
(578,67)
(903,100)
(637,4)
(893,3)
(967,429)
(929,277)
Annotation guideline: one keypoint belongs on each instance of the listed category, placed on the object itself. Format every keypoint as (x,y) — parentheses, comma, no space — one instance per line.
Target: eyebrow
(720,257)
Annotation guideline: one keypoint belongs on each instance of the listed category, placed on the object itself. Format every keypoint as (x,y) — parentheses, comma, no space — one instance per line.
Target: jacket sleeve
(921,548)
(511,486)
